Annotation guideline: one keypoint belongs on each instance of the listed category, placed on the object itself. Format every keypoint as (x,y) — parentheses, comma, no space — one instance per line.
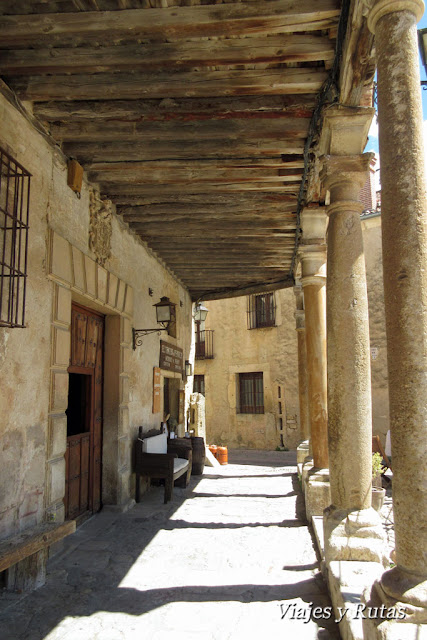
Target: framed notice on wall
(170,357)
(156,389)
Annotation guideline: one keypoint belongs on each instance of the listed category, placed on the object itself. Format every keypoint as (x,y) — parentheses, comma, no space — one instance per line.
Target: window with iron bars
(14,212)
(251,392)
(261,310)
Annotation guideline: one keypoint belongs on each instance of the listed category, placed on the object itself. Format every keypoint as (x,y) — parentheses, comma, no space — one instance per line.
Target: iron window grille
(251,393)
(261,310)
(199,384)
(14,213)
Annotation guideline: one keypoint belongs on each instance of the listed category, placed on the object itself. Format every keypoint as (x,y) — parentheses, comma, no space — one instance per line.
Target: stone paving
(225,559)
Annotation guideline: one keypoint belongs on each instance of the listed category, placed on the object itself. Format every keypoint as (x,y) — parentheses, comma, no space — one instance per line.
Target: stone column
(404,236)
(302,363)
(312,253)
(353,530)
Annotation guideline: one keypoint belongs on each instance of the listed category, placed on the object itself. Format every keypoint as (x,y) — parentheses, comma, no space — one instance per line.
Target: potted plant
(378,493)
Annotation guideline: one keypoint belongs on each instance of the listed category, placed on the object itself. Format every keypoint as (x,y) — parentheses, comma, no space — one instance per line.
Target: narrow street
(229,557)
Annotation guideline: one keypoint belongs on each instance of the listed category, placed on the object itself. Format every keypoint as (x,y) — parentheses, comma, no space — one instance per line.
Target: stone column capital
(345,130)
(344,177)
(379,8)
(313,263)
(313,224)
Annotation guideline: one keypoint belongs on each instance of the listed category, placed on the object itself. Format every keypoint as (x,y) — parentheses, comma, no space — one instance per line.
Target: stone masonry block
(62,312)
(113,283)
(58,392)
(124,389)
(56,480)
(102,283)
(129,300)
(125,355)
(79,281)
(60,259)
(125,331)
(90,269)
(124,421)
(57,442)
(61,348)
(121,295)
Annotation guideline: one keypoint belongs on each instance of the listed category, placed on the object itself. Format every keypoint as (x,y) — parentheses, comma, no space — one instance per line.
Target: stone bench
(26,554)
(155,459)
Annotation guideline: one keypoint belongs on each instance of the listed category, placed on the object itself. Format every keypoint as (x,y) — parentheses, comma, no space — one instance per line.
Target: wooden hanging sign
(171,357)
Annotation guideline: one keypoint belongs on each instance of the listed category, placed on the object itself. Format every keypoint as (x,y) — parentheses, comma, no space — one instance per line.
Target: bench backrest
(155,444)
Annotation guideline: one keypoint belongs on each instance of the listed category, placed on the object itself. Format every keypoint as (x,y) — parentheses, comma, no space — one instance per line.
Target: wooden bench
(26,545)
(156,459)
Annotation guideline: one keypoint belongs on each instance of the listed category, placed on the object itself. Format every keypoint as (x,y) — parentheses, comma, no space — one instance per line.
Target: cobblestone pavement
(225,559)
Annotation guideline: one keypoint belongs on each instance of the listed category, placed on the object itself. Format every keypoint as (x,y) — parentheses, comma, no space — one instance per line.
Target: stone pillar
(302,364)
(349,374)
(404,236)
(352,529)
(312,253)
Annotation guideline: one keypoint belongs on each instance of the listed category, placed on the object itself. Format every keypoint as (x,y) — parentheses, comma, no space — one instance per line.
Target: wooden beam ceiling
(192,119)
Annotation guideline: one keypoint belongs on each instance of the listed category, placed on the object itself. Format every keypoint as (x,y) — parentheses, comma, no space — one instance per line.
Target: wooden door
(84,414)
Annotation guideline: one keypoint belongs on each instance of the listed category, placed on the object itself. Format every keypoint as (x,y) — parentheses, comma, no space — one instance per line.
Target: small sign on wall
(374,353)
(171,357)
(156,389)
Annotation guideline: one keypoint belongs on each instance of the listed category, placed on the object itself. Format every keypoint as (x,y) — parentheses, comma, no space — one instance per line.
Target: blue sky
(373,133)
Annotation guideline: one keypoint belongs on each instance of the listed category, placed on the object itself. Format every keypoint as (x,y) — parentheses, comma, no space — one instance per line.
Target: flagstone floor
(230,557)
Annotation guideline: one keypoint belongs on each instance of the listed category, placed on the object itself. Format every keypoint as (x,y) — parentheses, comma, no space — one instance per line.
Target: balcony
(204,345)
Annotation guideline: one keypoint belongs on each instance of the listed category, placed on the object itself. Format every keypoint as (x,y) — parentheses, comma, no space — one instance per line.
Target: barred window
(261,310)
(251,393)
(14,210)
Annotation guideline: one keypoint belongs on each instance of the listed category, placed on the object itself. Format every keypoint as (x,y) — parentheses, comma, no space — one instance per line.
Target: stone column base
(354,535)
(317,492)
(400,601)
(306,468)
(303,450)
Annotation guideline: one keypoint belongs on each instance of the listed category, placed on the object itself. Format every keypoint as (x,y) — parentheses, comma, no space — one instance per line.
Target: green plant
(377,467)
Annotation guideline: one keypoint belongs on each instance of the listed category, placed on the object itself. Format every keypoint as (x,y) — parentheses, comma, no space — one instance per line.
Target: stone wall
(34,360)
(272,351)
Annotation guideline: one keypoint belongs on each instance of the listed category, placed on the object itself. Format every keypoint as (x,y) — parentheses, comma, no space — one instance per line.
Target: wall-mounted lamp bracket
(138,334)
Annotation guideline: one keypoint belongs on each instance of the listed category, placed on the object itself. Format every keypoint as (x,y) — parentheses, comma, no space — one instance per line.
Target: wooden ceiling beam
(262,17)
(167,55)
(194,172)
(174,85)
(181,149)
(277,128)
(177,109)
(206,187)
(230,201)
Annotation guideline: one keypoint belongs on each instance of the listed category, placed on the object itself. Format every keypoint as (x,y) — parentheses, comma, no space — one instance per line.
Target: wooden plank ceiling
(192,117)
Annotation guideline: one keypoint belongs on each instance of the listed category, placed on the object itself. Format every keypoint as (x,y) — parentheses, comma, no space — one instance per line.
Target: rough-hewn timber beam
(141,150)
(169,55)
(176,109)
(280,126)
(204,187)
(174,85)
(262,17)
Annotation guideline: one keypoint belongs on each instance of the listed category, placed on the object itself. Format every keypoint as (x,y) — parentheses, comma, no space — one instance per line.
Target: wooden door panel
(84,450)
(84,472)
(78,338)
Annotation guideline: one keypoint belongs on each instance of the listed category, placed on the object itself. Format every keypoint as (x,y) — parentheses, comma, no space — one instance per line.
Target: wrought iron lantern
(200,312)
(165,310)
